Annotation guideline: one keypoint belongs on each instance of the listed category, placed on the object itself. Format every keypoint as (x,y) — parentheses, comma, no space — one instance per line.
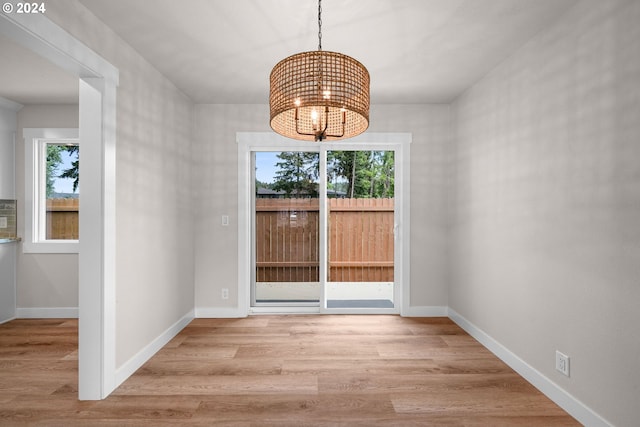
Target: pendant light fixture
(319,95)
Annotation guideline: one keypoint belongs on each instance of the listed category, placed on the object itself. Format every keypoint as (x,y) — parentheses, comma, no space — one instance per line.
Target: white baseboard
(235,312)
(573,406)
(133,364)
(425,311)
(220,312)
(266,310)
(47,313)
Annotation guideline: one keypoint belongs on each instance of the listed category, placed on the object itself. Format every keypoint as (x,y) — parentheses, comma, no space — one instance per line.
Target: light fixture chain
(319,24)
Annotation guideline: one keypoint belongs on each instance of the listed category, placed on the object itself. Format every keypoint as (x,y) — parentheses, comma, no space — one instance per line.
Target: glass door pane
(360,205)
(286,248)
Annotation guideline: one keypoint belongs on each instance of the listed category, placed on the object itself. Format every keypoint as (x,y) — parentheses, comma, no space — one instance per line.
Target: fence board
(62,219)
(360,240)
(287,240)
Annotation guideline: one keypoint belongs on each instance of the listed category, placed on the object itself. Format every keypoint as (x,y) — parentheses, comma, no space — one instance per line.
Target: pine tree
(297,174)
(73,171)
(53,161)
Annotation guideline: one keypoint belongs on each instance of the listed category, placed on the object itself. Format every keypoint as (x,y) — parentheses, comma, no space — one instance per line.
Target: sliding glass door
(286,226)
(360,238)
(324,229)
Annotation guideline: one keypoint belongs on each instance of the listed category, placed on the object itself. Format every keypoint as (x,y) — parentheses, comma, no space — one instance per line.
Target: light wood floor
(277,371)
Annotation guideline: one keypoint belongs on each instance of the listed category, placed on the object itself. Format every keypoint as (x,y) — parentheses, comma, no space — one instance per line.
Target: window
(51,190)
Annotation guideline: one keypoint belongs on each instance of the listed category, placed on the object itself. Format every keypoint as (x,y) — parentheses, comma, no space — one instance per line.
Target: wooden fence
(360,238)
(62,219)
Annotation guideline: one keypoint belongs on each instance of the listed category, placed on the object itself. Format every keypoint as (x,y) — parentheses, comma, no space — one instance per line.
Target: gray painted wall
(546,205)
(43,280)
(215,162)
(154,244)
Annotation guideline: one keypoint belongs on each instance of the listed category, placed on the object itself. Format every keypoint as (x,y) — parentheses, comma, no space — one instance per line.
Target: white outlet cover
(562,363)
(3,222)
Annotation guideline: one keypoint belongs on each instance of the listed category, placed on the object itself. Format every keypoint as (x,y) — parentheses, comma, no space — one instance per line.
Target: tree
(384,167)
(54,159)
(359,174)
(260,184)
(297,173)
(73,171)
(341,166)
(368,174)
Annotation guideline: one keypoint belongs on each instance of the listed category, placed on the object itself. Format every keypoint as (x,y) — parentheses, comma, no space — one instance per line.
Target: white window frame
(35,155)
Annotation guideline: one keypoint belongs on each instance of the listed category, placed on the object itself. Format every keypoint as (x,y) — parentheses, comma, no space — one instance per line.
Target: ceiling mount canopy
(319,95)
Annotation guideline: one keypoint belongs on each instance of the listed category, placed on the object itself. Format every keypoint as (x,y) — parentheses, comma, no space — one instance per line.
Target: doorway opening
(98,80)
(324,225)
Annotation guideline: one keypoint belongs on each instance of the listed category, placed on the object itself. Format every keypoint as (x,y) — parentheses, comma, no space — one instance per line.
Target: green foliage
(384,165)
(72,172)
(297,173)
(368,174)
(356,174)
(54,159)
(260,184)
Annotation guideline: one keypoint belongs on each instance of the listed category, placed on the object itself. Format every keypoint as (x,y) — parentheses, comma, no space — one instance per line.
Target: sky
(266,166)
(65,185)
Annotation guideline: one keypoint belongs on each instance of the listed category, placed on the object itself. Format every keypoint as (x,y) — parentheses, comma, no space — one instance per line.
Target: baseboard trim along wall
(426,311)
(219,312)
(235,312)
(573,406)
(47,313)
(133,364)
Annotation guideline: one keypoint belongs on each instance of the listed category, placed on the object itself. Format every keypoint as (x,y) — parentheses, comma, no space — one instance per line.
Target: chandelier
(319,95)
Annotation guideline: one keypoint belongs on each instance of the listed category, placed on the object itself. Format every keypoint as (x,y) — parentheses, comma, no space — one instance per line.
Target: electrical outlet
(225,293)
(562,363)
(225,220)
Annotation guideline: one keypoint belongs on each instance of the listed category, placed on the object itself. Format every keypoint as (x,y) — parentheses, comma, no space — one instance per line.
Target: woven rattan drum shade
(309,88)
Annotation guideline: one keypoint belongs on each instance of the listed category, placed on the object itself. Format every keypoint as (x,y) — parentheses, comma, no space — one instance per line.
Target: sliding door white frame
(249,142)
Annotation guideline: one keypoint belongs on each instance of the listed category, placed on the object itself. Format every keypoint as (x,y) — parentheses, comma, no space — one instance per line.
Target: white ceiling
(417,51)
(27,78)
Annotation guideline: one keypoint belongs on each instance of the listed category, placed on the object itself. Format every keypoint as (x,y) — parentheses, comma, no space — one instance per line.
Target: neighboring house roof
(268,192)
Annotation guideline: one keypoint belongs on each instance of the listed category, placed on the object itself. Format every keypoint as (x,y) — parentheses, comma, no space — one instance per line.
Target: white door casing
(249,142)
